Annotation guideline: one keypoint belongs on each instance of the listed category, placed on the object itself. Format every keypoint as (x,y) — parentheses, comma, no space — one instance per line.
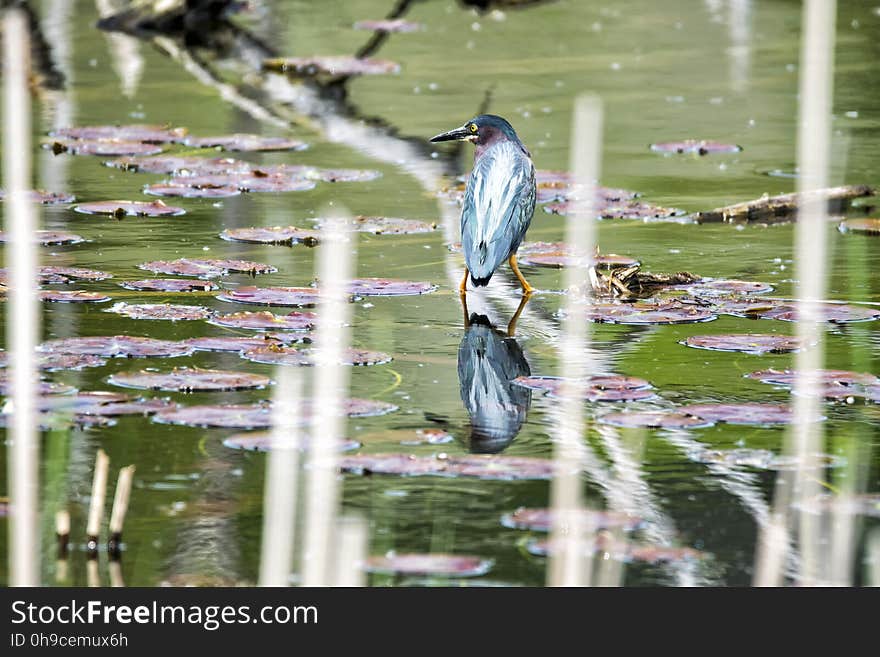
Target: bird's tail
(484,267)
(480,282)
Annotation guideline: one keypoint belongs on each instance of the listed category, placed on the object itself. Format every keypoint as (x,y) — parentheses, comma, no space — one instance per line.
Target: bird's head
(483,130)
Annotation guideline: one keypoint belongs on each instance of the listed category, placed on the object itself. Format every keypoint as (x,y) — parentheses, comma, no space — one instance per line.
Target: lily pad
(749,343)
(46,198)
(433,564)
(43,387)
(645,313)
(272,296)
(58,274)
(72,296)
(506,468)
(655,420)
(836,313)
(167,311)
(540,520)
(170,285)
(698,146)
(49,237)
(388,25)
(559,259)
(722,286)
(429,437)
(825,377)
(760,459)
(866,226)
(187,191)
(285,235)
(629,552)
(226,416)
(130,209)
(280,355)
(386,287)
(246,142)
(606,387)
(181,165)
(186,379)
(338,65)
(148,134)
(117,346)
(297,321)
(344,175)
(206,268)
(232,344)
(138,406)
(54,362)
(749,413)
(261,441)
(623,210)
(390,225)
(106,147)
(743,306)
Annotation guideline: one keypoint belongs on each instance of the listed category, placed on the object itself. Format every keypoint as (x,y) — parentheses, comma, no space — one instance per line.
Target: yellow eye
(472,127)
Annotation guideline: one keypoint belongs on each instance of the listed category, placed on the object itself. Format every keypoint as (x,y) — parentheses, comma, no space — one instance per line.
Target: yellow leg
(527,289)
(467,317)
(462,289)
(511,326)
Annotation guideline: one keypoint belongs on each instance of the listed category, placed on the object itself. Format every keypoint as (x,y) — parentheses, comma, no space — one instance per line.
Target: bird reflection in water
(488,361)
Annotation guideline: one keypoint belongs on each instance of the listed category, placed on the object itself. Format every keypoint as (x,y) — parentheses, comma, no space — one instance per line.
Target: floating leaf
(698,146)
(386,287)
(622,210)
(186,191)
(339,65)
(233,344)
(110,404)
(186,379)
(540,520)
(167,311)
(43,387)
(272,296)
(279,355)
(824,377)
(170,285)
(246,142)
(760,459)
(285,235)
(508,468)
(429,437)
(388,25)
(49,237)
(181,166)
(59,274)
(627,552)
(389,225)
(722,286)
(742,306)
(106,147)
(149,134)
(297,321)
(72,296)
(434,564)
(836,313)
(117,346)
(206,268)
(749,343)
(561,259)
(655,420)
(344,175)
(867,226)
(664,312)
(606,387)
(45,198)
(261,441)
(751,413)
(130,209)
(54,362)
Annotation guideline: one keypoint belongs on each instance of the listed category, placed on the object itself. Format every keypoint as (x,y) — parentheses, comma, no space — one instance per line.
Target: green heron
(499,200)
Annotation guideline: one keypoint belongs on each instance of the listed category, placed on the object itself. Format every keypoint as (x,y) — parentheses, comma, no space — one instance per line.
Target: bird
(499,199)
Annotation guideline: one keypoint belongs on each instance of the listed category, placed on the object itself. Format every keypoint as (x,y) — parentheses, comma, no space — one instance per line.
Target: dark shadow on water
(488,361)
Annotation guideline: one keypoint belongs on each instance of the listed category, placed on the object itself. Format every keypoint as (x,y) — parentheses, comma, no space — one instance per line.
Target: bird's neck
(484,145)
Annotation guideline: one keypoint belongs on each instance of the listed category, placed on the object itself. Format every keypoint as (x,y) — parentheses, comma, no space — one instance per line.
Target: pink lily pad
(339,65)
(247,142)
(751,413)
(59,274)
(388,25)
(226,416)
(187,191)
(43,387)
(866,226)
(655,420)
(117,346)
(825,377)
(181,165)
(743,306)
(148,134)
(297,321)
(272,296)
(274,183)
(72,296)
(170,285)
(429,437)
(624,552)
(666,312)
(232,344)
(390,225)
(206,268)
(760,459)
(54,362)
(633,209)
(49,237)
(433,564)
(836,313)
(114,405)
(186,379)
(344,175)
(385,287)
(130,209)
(106,147)
(281,355)
(540,520)
(698,146)
(285,235)
(749,343)
(506,468)
(606,387)
(261,441)
(848,394)
(167,311)
(45,198)
(722,286)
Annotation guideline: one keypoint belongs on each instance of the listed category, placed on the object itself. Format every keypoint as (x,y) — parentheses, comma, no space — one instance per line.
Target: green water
(670,70)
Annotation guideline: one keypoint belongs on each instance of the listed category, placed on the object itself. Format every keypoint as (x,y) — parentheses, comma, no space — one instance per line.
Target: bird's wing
(498,205)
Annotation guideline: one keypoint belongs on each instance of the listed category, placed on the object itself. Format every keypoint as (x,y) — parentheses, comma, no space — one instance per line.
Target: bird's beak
(453,135)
